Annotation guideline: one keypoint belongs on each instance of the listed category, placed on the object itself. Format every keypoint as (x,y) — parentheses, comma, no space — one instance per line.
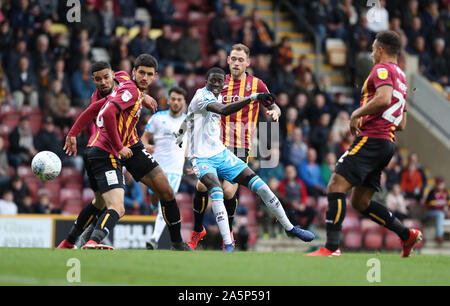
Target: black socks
(334,217)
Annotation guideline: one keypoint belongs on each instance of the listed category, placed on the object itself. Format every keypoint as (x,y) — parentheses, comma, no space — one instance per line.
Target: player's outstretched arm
(228,109)
(86,117)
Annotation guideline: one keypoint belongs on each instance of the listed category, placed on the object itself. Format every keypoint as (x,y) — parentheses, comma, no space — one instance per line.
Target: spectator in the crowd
(264,43)
(285,79)
(396,202)
(381,194)
(42,52)
(288,122)
(84,52)
(167,80)
(42,81)
(57,105)
(23,84)
(392,170)
(28,207)
(4,165)
(21,17)
(305,83)
(431,14)
(142,43)
(167,51)
(161,12)
(346,142)
(90,21)
(319,135)
(222,60)
(294,191)
(120,49)
(437,201)
(440,64)
(82,84)
(378,17)
(294,148)
(309,172)
(108,24)
(220,31)
(301,103)
(19,189)
(189,84)
(414,31)
(45,205)
(7,205)
(58,72)
(316,109)
(303,66)
(283,52)
(47,139)
(6,39)
(247,34)
(349,12)
(127,9)
(340,125)
(219,4)
(49,9)
(411,179)
(125,65)
(5,92)
(189,49)
(419,49)
(21,143)
(327,167)
(411,11)
(333,144)
(134,198)
(261,69)
(327,20)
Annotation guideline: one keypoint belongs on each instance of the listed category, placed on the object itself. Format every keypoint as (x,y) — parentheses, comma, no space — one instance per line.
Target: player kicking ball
(212,161)
(382,112)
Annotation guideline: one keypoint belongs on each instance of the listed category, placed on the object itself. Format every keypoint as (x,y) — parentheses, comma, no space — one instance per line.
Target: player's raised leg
(362,201)
(248,178)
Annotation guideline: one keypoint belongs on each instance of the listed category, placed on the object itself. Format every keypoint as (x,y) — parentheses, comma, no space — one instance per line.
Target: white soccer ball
(46,165)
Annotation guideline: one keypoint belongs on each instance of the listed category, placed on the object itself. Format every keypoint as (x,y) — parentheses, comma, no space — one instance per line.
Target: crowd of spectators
(50,70)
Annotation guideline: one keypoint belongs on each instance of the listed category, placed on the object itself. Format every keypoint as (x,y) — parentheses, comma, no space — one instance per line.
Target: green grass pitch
(28,266)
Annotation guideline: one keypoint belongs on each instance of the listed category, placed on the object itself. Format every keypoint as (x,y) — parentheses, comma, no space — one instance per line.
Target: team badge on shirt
(382,73)
(126,96)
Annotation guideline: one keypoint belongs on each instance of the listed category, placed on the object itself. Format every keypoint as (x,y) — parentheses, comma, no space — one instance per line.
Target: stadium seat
(352,239)
(351,224)
(53,186)
(33,186)
(392,241)
(28,110)
(71,175)
(24,171)
(67,195)
(368,225)
(186,214)
(373,239)
(8,111)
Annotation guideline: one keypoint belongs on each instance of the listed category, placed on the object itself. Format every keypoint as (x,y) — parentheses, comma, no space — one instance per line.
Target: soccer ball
(46,165)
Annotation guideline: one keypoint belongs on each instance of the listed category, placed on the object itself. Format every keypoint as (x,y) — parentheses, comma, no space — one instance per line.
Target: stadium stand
(327,62)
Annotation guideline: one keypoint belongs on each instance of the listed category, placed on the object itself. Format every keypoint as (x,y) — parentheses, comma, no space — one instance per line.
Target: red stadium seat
(28,110)
(70,195)
(351,224)
(368,225)
(353,239)
(187,214)
(9,111)
(184,199)
(71,175)
(373,240)
(53,186)
(392,241)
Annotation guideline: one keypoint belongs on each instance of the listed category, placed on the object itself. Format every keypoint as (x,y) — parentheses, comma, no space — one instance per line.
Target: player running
(382,112)
(211,160)
(236,132)
(160,129)
(122,110)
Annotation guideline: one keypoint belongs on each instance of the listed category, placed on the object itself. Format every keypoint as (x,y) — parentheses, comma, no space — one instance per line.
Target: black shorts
(241,153)
(103,169)
(362,163)
(140,163)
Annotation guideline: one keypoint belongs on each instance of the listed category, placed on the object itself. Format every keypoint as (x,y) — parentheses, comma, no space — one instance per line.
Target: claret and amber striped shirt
(237,129)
